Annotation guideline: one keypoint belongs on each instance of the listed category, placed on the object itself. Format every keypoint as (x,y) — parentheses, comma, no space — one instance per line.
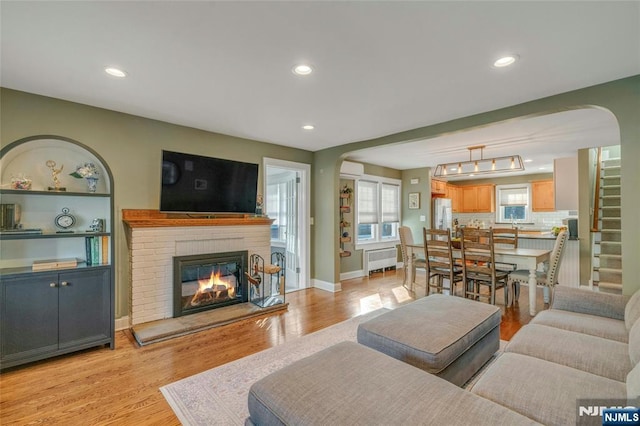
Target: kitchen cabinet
(438,187)
(52,313)
(542,194)
(453,192)
(478,199)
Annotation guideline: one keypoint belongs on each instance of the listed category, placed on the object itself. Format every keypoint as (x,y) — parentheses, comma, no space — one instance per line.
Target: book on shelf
(20,231)
(97,249)
(43,265)
(105,249)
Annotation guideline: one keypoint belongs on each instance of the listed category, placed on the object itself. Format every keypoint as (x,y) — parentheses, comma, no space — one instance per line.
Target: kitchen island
(569,274)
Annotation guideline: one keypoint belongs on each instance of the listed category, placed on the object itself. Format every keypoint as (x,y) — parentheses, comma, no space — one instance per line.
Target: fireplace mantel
(155,219)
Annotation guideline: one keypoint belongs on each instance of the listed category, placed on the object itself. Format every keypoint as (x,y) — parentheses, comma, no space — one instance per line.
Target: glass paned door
(283,204)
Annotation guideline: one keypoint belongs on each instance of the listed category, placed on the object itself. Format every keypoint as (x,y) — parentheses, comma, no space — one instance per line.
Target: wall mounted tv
(198,184)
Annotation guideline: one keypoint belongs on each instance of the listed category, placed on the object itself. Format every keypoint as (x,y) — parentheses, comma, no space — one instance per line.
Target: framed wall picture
(414,200)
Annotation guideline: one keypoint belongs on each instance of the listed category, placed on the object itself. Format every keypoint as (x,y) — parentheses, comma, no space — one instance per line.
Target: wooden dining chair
(440,262)
(406,238)
(547,279)
(479,266)
(505,238)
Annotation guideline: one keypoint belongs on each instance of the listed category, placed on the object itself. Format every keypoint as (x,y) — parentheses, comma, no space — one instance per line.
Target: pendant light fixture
(509,163)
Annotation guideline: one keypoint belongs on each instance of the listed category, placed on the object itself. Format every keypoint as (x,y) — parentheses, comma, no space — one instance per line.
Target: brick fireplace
(154,239)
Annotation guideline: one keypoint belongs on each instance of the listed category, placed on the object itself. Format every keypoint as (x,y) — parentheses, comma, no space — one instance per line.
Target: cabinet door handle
(53,285)
(64,283)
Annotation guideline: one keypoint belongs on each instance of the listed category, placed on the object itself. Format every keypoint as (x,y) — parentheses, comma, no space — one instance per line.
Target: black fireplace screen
(208,281)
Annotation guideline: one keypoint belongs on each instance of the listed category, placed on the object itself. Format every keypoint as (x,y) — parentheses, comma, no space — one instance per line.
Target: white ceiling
(538,139)
(380,67)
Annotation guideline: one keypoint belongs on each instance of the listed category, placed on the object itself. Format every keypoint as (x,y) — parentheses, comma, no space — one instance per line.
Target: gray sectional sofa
(585,350)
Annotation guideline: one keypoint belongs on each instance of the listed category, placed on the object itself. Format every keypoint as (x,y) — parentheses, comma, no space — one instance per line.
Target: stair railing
(595,225)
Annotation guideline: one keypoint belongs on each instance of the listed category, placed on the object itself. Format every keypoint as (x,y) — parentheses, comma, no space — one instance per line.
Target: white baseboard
(327,286)
(122,323)
(352,274)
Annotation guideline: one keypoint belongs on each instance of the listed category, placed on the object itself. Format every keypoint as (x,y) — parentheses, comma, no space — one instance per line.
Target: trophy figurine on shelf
(259,203)
(54,175)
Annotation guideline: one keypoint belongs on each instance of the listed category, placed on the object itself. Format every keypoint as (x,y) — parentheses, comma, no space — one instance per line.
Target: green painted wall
(621,97)
(411,217)
(132,147)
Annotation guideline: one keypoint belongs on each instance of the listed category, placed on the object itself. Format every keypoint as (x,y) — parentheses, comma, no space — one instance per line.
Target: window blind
(367,202)
(514,196)
(390,203)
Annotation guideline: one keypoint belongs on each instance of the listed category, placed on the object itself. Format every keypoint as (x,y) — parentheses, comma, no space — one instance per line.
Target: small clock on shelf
(64,221)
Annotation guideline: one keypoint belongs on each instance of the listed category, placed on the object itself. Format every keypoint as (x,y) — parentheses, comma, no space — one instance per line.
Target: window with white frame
(514,203)
(377,210)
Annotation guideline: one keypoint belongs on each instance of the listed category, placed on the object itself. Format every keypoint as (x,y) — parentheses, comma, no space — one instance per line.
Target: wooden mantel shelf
(156,219)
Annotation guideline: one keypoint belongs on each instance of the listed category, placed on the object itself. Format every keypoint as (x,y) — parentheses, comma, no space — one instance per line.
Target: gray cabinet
(48,314)
(62,308)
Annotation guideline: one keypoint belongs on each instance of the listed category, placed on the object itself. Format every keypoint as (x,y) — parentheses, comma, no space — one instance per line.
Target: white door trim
(304,210)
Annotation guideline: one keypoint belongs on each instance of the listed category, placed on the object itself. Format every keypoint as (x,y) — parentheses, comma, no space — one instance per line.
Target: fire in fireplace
(208,281)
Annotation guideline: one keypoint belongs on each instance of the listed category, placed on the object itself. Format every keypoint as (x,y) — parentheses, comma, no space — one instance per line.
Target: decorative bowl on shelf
(21,182)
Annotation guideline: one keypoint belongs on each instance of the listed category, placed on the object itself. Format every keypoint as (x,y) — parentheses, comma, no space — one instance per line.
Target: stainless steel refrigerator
(441,214)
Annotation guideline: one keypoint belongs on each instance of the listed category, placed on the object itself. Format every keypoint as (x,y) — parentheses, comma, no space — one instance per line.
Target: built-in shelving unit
(345,221)
(60,309)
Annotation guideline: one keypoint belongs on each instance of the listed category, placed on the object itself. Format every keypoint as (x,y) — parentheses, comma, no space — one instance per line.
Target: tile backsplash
(539,220)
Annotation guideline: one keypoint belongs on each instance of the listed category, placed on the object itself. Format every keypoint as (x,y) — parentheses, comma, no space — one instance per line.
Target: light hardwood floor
(121,386)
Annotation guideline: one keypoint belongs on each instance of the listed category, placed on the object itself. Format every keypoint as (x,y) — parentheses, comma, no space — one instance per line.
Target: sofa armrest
(589,302)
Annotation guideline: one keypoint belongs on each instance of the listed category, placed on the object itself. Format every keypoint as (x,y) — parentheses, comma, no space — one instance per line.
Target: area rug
(219,396)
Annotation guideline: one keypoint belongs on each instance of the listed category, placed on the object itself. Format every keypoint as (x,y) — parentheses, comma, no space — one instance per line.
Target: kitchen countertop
(541,236)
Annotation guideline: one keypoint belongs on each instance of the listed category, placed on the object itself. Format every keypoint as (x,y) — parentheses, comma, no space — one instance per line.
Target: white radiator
(379,259)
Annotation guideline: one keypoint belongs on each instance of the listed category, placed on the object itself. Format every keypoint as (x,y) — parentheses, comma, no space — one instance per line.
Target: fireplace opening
(208,281)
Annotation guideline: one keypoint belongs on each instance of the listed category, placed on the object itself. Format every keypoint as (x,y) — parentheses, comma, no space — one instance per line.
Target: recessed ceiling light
(115,72)
(528,160)
(542,168)
(308,127)
(505,61)
(302,69)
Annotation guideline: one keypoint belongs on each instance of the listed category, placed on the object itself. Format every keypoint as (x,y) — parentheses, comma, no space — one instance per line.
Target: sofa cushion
(432,332)
(632,310)
(607,328)
(543,390)
(634,343)
(633,384)
(350,384)
(589,302)
(592,354)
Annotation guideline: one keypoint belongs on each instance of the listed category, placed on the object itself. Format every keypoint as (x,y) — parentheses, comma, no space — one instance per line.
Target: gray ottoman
(448,336)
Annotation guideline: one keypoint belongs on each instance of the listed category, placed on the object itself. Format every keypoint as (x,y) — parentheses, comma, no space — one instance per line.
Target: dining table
(524,258)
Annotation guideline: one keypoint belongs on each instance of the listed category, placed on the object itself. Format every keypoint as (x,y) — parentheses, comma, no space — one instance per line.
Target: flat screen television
(199,184)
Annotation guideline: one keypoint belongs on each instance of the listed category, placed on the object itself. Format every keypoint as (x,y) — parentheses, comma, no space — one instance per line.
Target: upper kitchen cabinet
(565,178)
(543,196)
(438,187)
(478,199)
(453,192)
